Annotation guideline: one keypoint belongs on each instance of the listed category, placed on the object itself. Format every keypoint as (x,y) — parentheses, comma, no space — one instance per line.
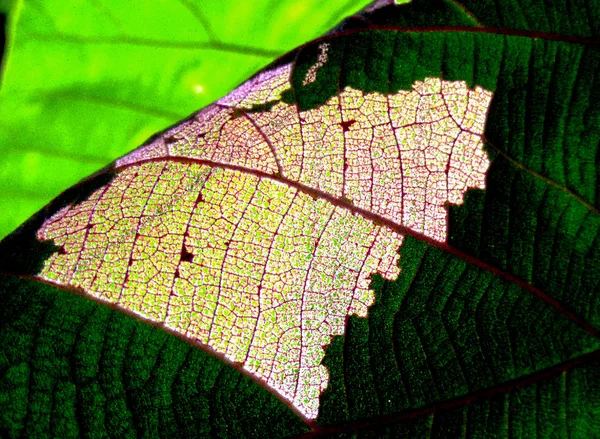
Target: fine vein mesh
(311,75)
(257,269)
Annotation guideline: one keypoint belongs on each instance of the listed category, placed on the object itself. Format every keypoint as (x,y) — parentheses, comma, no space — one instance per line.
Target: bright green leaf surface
(493,333)
(76,71)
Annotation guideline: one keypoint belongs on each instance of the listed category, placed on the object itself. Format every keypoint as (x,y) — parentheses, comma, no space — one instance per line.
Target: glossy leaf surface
(76,71)
(452,167)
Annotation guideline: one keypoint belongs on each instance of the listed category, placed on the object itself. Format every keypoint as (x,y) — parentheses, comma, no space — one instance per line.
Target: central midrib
(344,203)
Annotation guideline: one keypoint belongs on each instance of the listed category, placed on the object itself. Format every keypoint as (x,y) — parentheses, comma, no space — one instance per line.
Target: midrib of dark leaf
(464,400)
(377,219)
(380,220)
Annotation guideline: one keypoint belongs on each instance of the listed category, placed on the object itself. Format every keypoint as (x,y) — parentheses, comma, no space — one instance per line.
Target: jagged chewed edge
(92,258)
(192,342)
(250,93)
(265,87)
(21,252)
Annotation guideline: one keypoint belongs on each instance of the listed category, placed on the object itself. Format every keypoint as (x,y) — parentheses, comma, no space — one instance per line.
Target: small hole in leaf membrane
(186,256)
(347,124)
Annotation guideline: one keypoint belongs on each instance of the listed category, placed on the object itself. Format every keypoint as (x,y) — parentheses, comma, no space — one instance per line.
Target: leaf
(74,72)
(451,146)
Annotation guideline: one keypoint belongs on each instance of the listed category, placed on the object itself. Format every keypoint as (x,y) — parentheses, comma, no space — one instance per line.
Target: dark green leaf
(491,328)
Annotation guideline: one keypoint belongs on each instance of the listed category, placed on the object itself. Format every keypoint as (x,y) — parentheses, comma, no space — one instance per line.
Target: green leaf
(481,318)
(74,72)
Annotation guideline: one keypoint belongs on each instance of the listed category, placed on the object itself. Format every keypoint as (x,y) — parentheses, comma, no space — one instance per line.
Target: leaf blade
(464,221)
